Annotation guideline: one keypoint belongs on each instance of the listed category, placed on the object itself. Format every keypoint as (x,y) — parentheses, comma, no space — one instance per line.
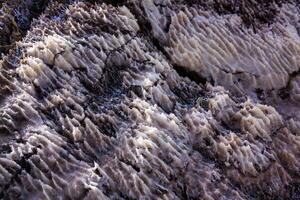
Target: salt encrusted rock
(138,100)
(16,17)
(220,48)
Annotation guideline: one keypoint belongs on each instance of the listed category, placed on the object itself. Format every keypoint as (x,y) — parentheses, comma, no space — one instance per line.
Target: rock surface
(150,99)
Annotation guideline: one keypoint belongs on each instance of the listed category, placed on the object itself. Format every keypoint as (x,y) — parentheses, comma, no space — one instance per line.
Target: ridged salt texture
(92,107)
(221,48)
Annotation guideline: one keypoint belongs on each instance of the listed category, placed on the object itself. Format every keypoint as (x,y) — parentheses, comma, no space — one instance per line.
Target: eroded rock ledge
(151,99)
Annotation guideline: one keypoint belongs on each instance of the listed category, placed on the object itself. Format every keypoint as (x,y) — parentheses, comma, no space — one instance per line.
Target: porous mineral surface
(150,99)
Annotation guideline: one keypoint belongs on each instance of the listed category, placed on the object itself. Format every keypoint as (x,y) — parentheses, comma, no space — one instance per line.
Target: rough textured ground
(150,99)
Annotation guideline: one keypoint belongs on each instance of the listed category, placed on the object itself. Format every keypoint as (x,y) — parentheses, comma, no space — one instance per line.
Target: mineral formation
(150,99)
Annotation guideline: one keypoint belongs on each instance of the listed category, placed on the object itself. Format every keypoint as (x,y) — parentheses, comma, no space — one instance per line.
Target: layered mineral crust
(150,99)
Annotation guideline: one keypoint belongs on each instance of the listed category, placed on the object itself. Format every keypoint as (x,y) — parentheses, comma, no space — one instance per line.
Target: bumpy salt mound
(222,49)
(92,108)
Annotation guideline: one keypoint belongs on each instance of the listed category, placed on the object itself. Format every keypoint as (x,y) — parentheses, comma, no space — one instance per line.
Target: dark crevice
(5,149)
(193,76)
(15,19)
(254,13)
(284,92)
(115,2)
(294,190)
(25,166)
